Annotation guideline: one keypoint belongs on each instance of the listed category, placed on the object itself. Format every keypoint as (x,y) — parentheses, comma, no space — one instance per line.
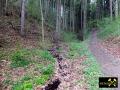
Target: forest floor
(107,54)
(38,71)
(70,71)
(69,61)
(76,68)
(28,51)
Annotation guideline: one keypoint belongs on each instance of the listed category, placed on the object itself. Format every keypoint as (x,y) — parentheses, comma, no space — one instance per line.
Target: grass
(43,63)
(74,50)
(23,57)
(47,70)
(19,59)
(28,83)
(92,70)
(109,28)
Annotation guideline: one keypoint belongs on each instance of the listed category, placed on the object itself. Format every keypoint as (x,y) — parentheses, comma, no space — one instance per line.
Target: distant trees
(68,15)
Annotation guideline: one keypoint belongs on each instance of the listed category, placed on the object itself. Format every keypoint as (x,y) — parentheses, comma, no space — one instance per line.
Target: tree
(6,5)
(58,18)
(41,10)
(111,9)
(22,18)
(85,17)
(116,8)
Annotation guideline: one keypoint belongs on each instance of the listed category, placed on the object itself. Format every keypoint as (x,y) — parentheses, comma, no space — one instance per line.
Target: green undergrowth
(69,37)
(42,63)
(28,83)
(74,50)
(23,57)
(109,28)
(92,70)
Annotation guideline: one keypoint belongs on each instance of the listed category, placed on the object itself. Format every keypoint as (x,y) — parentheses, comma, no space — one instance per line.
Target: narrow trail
(109,64)
(68,73)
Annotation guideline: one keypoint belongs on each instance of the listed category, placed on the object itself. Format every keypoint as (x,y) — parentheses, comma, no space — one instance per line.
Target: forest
(59,44)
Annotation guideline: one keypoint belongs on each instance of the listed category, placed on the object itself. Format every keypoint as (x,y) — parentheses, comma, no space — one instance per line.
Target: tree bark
(58,21)
(23,18)
(41,10)
(6,5)
(73,16)
(116,8)
(111,10)
(85,18)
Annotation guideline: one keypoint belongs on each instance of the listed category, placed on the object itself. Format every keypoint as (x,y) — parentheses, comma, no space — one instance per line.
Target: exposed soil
(110,64)
(69,72)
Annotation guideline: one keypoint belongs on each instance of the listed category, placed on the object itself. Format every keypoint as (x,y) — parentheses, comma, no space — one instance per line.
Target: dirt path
(109,64)
(69,72)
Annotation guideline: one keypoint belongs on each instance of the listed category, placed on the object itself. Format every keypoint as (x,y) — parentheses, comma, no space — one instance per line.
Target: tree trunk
(41,10)
(84,18)
(23,18)
(58,21)
(64,10)
(111,10)
(116,8)
(6,5)
(73,17)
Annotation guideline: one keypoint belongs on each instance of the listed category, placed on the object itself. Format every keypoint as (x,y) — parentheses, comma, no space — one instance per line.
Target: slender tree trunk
(81,22)
(111,10)
(64,10)
(116,8)
(73,17)
(81,34)
(85,18)
(46,8)
(6,5)
(23,18)
(65,21)
(58,16)
(41,10)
